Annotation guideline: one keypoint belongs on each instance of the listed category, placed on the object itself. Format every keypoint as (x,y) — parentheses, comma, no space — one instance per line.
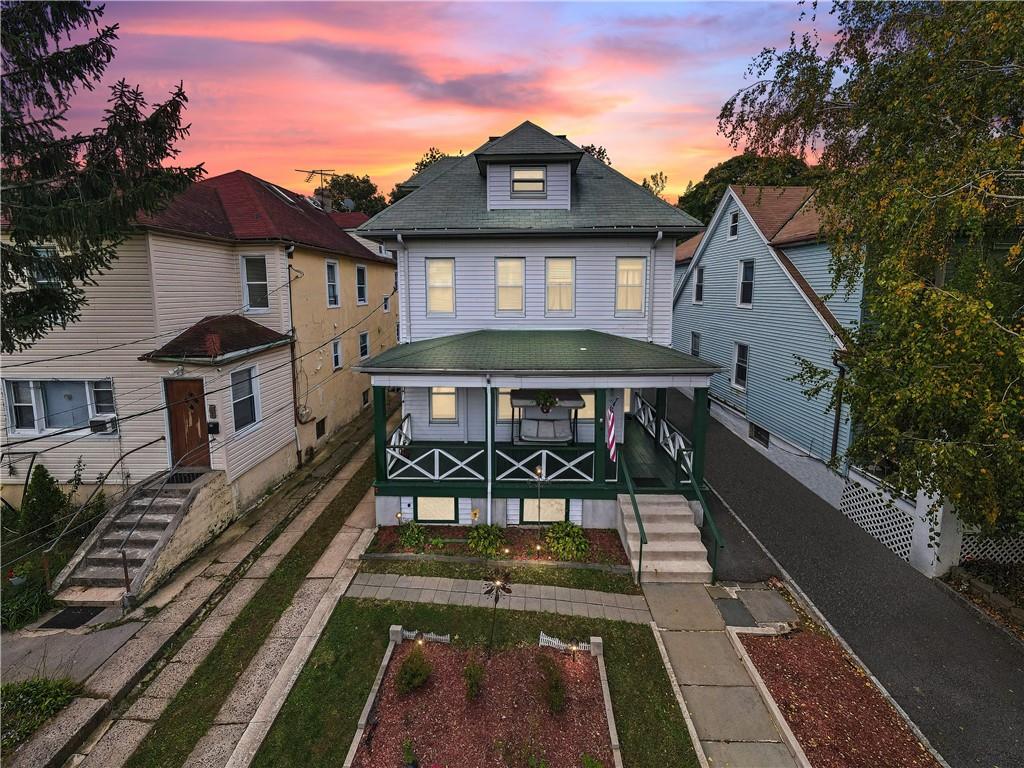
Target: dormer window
(529,182)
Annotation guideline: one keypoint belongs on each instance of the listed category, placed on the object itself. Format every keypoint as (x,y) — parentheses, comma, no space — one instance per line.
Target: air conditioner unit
(103,426)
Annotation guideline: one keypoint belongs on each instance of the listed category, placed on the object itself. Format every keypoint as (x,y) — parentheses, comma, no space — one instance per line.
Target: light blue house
(754,297)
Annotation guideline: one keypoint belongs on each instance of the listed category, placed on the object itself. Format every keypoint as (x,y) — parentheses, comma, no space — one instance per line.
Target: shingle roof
(431,172)
(567,352)
(529,139)
(771,207)
(348,219)
(240,206)
(217,337)
(805,287)
(805,225)
(686,249)
(454,202)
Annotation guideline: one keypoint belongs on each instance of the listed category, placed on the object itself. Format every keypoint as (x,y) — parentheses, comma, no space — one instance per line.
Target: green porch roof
(538,353)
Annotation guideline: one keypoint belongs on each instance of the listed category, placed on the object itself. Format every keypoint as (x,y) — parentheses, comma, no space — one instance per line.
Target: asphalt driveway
(959,678)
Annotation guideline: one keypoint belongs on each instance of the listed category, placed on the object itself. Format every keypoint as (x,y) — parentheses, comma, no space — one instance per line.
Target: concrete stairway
(674,552)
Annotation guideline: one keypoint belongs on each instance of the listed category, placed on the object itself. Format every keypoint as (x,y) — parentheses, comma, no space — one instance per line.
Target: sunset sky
(367,87)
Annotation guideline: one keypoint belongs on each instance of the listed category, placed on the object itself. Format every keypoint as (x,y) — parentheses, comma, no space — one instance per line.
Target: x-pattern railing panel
(429,465)
(577,469)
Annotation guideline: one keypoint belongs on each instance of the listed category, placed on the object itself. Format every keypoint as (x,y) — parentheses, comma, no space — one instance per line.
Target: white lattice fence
(878,513)
(1005,550)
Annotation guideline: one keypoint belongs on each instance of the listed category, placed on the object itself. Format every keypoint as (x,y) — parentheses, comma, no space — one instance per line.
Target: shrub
(412,536)
(591,762)
(28,704)
(567,541)
(43,502)
(485,540)
(437,543)
(414,672)
(25,603)
(554,684)
(473,674)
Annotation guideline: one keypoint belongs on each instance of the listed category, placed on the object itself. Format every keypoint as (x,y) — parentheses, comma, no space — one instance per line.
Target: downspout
(489,412)
(650,288)
(288,251)
(405,315)
(839,409)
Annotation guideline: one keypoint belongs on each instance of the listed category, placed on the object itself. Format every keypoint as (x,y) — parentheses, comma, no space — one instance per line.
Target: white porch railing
(432,464)
(644,413)
(671,440)
(400,438)
(554,466)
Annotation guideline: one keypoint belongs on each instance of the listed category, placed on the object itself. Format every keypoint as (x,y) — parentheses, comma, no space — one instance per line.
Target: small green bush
(43,502)
(412,536)
(30,703)
(554,683)
(486,540)
(414,672)
(25,603)
(591,762)
(473,674)
(567,541)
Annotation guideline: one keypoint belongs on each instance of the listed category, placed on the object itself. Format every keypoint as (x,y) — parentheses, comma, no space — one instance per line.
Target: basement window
(759,434)
(321,427)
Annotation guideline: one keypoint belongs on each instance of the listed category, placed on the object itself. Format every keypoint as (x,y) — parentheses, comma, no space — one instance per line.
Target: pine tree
(69,199)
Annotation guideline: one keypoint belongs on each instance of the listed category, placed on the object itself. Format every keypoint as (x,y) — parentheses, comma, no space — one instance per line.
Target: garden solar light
(498,585)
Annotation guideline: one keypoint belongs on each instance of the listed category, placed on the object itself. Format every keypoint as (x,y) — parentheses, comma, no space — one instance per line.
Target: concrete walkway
(734,725)
(524,597)
(959,678)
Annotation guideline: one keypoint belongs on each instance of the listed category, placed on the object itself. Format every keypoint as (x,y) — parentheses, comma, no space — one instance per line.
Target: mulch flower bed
(521,543)
(509,724)
(836,713)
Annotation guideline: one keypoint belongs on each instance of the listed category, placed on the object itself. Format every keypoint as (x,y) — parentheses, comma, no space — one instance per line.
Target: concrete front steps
(674,552)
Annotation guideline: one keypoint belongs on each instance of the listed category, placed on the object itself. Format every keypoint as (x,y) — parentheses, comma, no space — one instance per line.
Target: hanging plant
(546,401)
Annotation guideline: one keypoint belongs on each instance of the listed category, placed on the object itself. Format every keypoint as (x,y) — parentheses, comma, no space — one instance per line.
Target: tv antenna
(323,173)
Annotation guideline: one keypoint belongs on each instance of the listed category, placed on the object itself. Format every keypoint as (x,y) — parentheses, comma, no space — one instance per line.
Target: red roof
(217,336)
(771,207)
(348,219)
(686,249)
(804,226)
(239,206)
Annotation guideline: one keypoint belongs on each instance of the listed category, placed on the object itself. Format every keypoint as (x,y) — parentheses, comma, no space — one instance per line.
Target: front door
(186,413)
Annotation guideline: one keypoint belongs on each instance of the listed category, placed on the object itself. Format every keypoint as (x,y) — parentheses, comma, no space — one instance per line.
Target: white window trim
(254,377)
(39,411)
(245,283)
(698,277)
(522,288)
(643,289)
(337,282)
(361,269)
(739,282)
(430,407)
(337,355)
(735,360)
(360,348)
(559,312)
(734,218)
(386,303)
(426,287)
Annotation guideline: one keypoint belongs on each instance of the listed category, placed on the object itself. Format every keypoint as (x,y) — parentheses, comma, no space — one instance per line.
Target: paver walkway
(734,725)
(959,678)
(525,597)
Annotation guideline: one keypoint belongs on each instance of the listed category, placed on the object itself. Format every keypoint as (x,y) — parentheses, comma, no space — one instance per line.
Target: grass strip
(575,578)
(318,720)
(191,713)
(30,703)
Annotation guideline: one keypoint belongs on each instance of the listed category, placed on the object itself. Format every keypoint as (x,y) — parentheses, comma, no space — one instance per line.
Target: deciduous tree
(361,190)
(598,152)
(655,183)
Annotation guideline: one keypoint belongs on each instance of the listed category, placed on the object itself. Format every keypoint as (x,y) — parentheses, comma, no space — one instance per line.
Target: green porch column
(380,438)
(700,429)
(600,447)
(660,411)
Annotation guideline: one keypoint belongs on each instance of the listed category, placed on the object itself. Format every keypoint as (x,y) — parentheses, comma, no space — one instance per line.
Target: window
(440,286)
(529,182)
(442,404)
(698,286)
(386,304)
(508,285)
(760,434)
(587,411)
(366,397)
(746,288)
(254,283)
(321,427)
(695,344)
(436,509)
(336,358)
(739,373)
(364,344)
(734,224)
(544,510)
(360,284)
(629,285)
(627,400)
(333,299)
(46,268)
(398,332)
(505,404)
(37,406)
(244,404)
(560,285)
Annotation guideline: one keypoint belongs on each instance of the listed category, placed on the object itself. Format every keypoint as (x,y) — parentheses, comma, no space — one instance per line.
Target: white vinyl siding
(440,286)
(557,188)
(255,287)
(509,290)
(360,284)
(333,296)
(629,285)
(560,286)
(244,399)
(444,404)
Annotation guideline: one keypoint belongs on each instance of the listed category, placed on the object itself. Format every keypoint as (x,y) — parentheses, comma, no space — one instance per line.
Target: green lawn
(578,578)
(191,713)
(318,720)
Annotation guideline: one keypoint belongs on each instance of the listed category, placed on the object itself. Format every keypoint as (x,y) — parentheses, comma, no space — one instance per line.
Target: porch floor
(650,467)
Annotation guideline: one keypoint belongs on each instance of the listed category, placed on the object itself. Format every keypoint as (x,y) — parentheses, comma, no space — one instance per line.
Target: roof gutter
(650,287)
(682,229)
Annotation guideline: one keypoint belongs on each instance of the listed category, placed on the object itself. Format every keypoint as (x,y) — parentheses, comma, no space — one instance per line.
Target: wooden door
(186,414)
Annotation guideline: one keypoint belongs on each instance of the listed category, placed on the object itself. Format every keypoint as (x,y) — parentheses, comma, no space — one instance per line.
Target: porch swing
(546,415)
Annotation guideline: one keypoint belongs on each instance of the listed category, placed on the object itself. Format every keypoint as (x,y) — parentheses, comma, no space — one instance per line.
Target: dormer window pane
(530,182)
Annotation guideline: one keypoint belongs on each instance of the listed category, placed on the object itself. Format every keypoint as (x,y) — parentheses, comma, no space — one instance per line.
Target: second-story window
(529,182)
(745,295)
(254,283)
(734,225)
(440,286)
(364,345)
(336,359)
(698,286)
(560,289)
(739,372)
(509,285)
(46,266)
(695,344)
(385,305)
(333,298)
(360,285)
(629,285)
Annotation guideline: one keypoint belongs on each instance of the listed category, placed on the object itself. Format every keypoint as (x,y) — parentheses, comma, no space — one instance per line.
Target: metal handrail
(636,514)
(712,528)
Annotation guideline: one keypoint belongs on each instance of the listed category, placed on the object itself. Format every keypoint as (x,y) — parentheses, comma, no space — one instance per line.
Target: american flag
(610,431)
